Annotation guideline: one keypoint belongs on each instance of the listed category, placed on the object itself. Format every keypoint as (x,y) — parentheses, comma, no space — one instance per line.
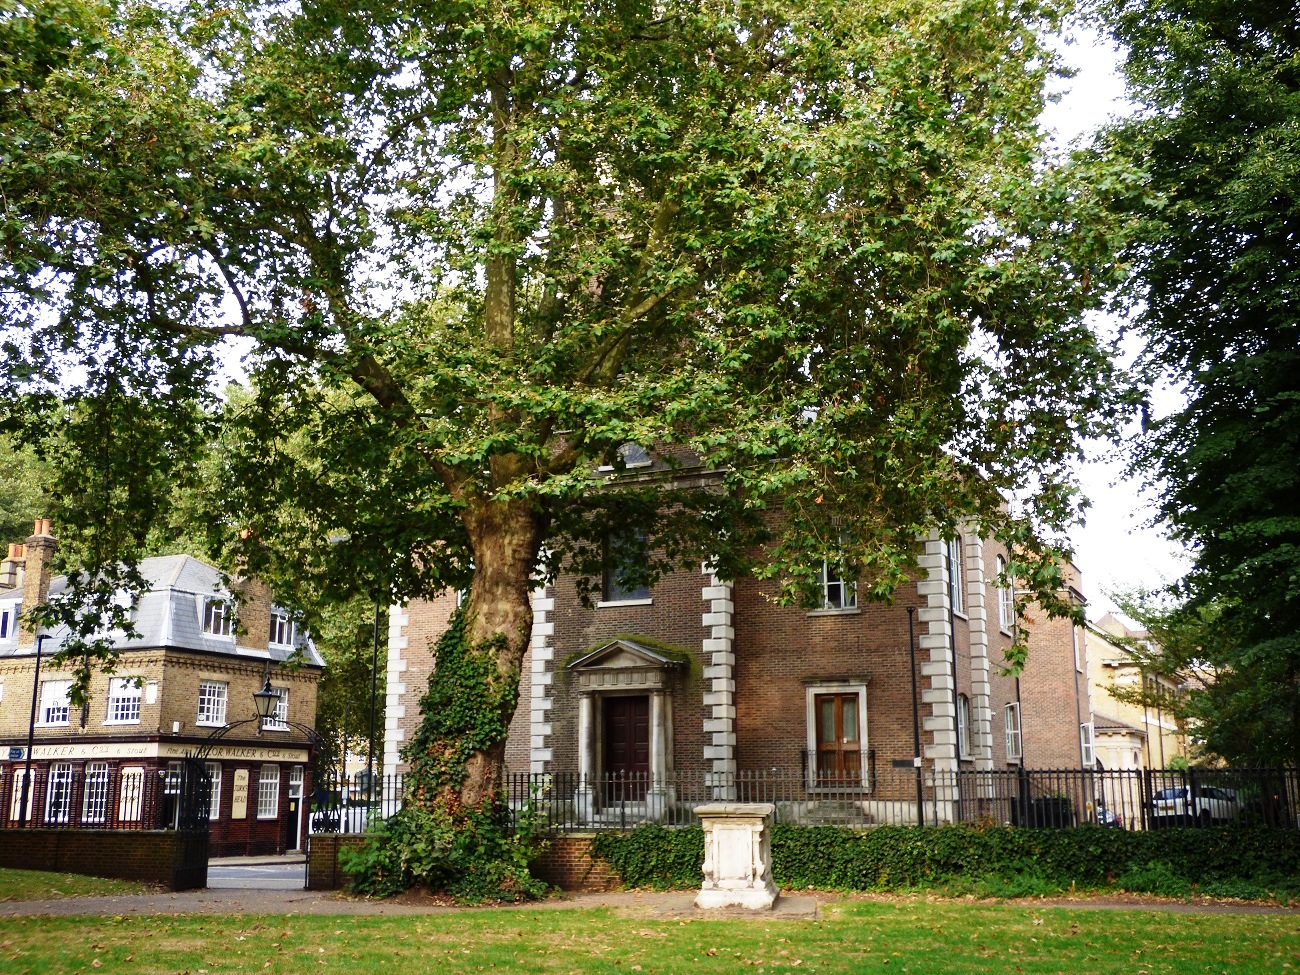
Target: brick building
(704,680)
(191,670)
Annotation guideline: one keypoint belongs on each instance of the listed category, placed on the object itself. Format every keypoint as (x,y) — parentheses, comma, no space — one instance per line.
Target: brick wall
(323,871)
(569,865)
(1054,693)
(175,674)
(148,856)
(413,630)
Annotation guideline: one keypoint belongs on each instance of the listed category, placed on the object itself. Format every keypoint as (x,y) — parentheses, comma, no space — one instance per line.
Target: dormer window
(281,629)
(630,455)
(634,455)
(7,622)
(218,618)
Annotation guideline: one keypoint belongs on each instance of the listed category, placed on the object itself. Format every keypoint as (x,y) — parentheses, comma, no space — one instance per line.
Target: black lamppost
(916,720)
(374,679)
(31,733)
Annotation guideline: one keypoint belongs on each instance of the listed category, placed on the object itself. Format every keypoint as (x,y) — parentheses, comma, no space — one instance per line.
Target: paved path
(644,904)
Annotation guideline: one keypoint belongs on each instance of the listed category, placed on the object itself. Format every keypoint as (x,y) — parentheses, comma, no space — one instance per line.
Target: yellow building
(1130,736)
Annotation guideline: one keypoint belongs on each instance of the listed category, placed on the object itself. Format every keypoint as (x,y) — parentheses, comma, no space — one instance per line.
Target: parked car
(1205,806)
(1107,818)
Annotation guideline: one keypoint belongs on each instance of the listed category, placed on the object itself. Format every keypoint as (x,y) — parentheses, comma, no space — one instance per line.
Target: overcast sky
(1117,548)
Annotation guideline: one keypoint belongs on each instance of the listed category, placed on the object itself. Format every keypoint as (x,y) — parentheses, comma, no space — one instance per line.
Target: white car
(1208,805)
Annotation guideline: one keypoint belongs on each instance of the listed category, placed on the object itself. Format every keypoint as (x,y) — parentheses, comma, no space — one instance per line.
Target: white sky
(1117,548)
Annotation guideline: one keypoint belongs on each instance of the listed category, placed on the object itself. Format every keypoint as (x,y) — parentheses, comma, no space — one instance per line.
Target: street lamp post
(31,733)
(374,679)
(916,719)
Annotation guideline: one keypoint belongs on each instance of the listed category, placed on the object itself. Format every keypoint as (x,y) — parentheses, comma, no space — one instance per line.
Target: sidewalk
(641,904)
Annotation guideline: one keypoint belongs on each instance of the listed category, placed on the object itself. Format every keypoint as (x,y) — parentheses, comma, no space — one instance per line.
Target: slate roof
(170,614)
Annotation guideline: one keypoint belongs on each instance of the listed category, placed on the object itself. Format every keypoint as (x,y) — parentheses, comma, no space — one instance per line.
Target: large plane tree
(471,249)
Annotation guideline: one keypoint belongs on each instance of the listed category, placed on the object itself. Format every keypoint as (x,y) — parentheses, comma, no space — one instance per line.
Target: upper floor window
(278,720)
(123,701)
(621,552)
(281,628)
(218,618)
(1011,722)
(1006,600)
(7,617)
(54,702)
(836,591)
(963,726)
(1087,750)
(956,576)
(212,702)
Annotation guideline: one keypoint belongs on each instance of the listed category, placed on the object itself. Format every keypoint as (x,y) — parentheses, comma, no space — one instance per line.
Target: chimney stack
(11,569)
(39,555)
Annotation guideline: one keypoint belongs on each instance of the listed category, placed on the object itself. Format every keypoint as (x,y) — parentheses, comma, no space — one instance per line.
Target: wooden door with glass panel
(839,740)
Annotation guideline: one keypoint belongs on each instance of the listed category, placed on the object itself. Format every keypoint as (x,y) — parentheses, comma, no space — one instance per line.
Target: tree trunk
(506,537)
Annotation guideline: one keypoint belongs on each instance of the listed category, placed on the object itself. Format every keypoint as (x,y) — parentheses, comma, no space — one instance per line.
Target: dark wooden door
(627,746)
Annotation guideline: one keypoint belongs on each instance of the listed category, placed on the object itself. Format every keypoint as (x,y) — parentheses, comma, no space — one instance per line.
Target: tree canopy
(472,249)
(1217,266)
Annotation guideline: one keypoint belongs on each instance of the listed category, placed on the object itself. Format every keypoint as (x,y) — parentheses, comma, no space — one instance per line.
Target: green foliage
(1217,269)
(987,861)
(470,250)
(473,852)
(22,491)
(653,856)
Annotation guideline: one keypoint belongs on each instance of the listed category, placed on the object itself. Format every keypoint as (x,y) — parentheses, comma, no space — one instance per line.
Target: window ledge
(846,611)
(109,721)
(209,724)
(53,724)
(1005,632)
(607,604)
(961,615)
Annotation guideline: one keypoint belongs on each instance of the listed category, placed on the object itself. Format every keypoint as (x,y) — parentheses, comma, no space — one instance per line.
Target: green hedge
(995,860)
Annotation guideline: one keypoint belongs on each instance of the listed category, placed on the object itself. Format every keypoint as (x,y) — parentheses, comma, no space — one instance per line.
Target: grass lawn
(26,885)
(890,937)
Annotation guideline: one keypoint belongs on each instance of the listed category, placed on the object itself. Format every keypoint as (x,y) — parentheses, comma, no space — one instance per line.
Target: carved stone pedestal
(737,855)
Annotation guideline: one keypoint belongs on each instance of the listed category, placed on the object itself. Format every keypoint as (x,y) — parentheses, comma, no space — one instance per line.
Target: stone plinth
(737,855)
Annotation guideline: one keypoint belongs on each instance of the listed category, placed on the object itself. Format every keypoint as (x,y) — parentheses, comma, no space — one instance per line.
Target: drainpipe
(916,720)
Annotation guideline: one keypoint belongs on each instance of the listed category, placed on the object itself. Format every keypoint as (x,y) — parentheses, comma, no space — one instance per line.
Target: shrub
(986,860)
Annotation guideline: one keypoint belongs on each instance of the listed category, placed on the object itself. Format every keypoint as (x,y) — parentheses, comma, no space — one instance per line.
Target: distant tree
(476,248)
(1217,292)
(22,491)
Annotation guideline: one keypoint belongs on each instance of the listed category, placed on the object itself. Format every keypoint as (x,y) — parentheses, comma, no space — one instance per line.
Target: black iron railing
(806,795)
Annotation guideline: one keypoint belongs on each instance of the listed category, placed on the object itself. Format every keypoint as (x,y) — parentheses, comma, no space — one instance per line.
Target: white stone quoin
(737,855)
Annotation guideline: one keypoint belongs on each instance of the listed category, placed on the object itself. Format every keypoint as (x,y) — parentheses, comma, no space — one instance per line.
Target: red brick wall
(323,871)
(1053,694)
(569,865)
(124,855)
